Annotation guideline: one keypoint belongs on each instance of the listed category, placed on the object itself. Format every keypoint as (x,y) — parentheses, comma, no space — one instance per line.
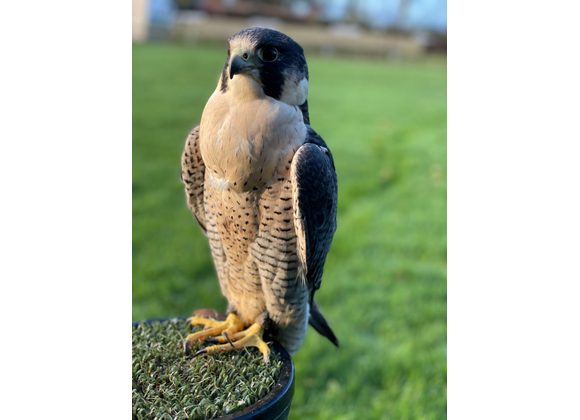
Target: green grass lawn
(384,285)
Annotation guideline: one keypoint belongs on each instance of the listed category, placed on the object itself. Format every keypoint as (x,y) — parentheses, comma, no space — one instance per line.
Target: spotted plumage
(262,185)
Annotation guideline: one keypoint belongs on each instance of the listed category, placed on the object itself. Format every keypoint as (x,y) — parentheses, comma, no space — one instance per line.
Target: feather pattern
(193,177)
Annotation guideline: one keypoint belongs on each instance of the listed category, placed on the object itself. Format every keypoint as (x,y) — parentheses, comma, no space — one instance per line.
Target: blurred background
(379,28)
(378,98)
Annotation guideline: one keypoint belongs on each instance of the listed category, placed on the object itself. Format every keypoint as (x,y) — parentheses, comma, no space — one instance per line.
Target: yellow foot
(213,328)
(230,333)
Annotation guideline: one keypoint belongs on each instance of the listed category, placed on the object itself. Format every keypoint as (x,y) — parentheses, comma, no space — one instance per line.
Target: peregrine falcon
(262,185)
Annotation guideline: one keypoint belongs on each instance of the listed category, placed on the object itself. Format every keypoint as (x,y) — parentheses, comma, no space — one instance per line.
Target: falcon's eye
(268,54)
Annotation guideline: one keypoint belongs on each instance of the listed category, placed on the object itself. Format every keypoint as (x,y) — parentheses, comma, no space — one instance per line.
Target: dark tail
(319,324)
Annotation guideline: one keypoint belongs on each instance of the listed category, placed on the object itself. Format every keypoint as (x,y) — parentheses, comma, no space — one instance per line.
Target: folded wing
(193,176)
(315,199)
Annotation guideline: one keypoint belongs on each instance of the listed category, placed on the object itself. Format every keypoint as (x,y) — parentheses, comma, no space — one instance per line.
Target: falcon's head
(273,60)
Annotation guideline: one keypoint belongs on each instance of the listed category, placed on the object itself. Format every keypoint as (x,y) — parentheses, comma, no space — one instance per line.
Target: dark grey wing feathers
(193,176)
(315,195)
(315,200)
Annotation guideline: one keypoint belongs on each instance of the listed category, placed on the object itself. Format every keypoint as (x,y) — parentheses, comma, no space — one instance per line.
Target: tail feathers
(319,324)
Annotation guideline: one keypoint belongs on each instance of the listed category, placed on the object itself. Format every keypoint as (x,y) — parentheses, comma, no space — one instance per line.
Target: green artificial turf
(384,285)
(167,383)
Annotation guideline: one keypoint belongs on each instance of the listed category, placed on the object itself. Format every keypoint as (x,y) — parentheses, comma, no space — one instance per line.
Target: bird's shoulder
(313,138)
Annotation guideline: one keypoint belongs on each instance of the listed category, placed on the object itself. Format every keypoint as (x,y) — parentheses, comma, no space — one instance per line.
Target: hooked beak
(240,65)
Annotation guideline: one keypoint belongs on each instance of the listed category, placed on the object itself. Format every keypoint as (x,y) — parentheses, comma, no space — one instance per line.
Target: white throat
(294,91)
(245,87)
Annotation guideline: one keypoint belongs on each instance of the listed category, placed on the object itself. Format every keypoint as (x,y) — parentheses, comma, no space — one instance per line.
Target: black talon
(229,341)
(199,352)
(186,348)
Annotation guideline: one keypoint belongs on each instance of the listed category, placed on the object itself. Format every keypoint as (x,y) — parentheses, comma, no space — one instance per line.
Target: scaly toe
(252,337)
(218,329)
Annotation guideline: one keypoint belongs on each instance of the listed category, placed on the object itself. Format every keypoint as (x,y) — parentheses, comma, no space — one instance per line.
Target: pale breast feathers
(242,139)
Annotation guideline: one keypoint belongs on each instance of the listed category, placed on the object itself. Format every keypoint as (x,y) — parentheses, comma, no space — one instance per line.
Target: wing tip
(320,324)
